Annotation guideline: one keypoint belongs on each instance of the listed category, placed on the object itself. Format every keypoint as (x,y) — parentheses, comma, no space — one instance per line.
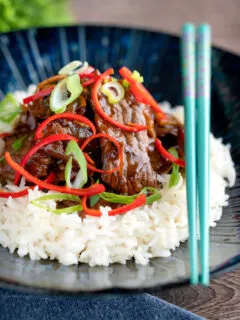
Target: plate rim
(232,263)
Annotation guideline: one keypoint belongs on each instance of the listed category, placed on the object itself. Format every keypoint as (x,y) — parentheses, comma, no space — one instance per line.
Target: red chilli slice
(89,82)
(87,73)
(65,115)
(5,134)
(138,202)
(90,191)
(38,95)
(22,193)
(134,128)
(141,93)
(36,147)
(115,142)
(168,155)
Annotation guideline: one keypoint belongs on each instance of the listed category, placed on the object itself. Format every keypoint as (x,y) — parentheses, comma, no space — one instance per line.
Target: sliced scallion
(136,75)
(175,176)
(17,144)
(94,200)
(117,198)
(114,91)
(9,111)
(155,194)
(74,67)
(39,202)
(68,170)
(125,84)
(123,199)
(82,176)
(60,98)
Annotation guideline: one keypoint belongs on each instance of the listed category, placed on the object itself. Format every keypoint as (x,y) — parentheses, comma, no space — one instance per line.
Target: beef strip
(137,171)
(74,128)
(170,125)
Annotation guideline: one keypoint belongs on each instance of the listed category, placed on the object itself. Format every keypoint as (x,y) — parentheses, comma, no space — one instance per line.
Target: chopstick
(189,84)
(203,131)
(197,129)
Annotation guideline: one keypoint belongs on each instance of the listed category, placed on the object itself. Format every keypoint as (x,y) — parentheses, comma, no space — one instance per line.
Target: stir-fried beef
(137,171)
(141,161)
(74,128)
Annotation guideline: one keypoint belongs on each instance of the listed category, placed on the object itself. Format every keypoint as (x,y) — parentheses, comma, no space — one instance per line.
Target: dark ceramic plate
(30,56)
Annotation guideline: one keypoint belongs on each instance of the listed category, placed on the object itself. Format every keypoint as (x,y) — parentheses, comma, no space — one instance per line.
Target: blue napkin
(25,306)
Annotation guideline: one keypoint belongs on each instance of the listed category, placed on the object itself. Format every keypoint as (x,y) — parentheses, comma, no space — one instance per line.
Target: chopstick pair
(196,68)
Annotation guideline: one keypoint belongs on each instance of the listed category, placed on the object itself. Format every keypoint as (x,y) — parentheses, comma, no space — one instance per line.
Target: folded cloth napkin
(25,306)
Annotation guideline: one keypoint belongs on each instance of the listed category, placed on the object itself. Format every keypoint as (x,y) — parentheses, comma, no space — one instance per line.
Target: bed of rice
(143,233)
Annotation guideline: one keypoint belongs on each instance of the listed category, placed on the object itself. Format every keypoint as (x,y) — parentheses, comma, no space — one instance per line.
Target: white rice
(143,233)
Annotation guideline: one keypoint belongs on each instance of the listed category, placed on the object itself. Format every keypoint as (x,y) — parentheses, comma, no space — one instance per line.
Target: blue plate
(30,56)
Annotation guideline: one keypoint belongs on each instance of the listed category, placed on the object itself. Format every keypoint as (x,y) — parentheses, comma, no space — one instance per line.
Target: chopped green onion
(74,67)
(2,159)
(175,176)
(82,176)
(125,84)
(136,75)
(67,173)
(117,198)
(9,111)
(17,144)
(59,98)
(114,91)
(94,200)
(59,197)
(155,194)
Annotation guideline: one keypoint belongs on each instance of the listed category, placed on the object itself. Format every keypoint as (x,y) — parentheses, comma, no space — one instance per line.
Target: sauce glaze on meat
(142,162)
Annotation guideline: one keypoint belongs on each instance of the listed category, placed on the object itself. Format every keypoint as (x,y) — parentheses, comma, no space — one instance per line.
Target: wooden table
(222,299)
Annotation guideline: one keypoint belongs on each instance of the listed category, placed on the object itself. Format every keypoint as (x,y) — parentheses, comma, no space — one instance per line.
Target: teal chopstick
(203,131)
(189,83)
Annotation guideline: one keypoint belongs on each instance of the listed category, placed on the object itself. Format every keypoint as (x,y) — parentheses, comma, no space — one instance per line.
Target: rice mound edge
(143,233)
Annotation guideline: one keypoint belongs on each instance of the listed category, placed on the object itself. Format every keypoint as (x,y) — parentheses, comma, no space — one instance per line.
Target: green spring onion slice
(175,176)
(82,176)
(17,144)
(74,67)
(9,111)
(94,200)
(65,92)
(136,75)
(125,84)
(39,202)
(117,198)
(154,196)
(113,90)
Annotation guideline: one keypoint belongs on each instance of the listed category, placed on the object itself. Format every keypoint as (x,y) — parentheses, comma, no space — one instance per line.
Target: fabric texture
(28,306)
